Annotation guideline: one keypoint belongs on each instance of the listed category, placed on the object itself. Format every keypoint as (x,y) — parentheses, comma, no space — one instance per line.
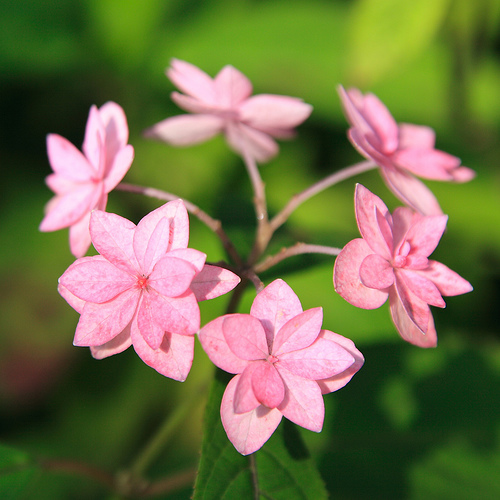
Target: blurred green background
(412,423)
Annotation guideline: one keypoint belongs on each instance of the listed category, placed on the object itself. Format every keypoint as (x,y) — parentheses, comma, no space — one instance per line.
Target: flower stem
(297,249)
(213,224)
(316,188)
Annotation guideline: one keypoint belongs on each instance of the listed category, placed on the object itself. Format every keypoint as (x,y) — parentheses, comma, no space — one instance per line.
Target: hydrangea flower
(400,150)
(143,289)
(283,363)
(391,261)
(223,104)
(81,182)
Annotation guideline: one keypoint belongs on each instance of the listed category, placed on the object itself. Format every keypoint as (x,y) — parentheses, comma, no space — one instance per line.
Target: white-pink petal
(416,309)
(214,344)
(116,345)
(347,281)
(186,130)
(67,161)
(422,287)
(231,87)
(94,142)
(244,396)
(245,336)
(120,165)
(246,140)
(416,136)
(267,385)
(376,272)
(150,330)
(192,80)
(424,235)
(448,282)
(171,276)
(298,332)
(247,431)
(213,281)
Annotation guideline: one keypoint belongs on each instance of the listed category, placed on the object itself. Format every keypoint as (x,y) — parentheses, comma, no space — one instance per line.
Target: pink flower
(143,289)
(401,151)
(82,182)
(284,362)
(223,104)
(391,260)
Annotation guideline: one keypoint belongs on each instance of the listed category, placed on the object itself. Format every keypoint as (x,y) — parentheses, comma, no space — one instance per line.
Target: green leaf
(16,472)
(282,469)
(387,33)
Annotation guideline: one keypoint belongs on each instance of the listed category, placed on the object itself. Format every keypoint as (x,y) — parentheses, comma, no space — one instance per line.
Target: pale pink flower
(283,363)
(223,104)
(143,289)
(81,182)
(391,260)
(400,150)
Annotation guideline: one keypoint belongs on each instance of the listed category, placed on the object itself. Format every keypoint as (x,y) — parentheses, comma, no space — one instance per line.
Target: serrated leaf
(281,470)
(385,33)
(16,472)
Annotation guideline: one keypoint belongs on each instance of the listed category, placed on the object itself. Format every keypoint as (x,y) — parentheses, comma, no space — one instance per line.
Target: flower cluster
(143,287)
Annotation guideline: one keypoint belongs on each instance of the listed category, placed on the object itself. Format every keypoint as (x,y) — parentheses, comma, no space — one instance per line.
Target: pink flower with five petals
(391,261)
(400,150)
(81,182)
(283,363)
(143,289)
(223,104)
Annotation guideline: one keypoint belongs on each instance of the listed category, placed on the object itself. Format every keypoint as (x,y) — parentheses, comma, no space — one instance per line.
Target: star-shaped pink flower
(81,182)
(223,104)
(283,363)
(391,260)
(143,289)
(401,151)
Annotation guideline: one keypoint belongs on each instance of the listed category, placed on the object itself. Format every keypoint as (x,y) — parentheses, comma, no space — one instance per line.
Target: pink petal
(99,323)
(416,136)
(298,332)
(320,360)
(352,101)
(76,303)
(463,174)
(424,235)
(402,219)
(423,288)
(169,236)
(112,237)
(247,431)
(367,146)
(213,281)
(118,168)
(69,208)
(192,80)
(408,330)
(150,330)
(245,336)
(267,385)
(427,163)
(60,185)
(346,277)
(175,314)
(67,161)
(231,87)
(244,396)
(194,257)
(448,282)
(376,272)
(303,403)
(171,276)
(192,105)
(340,380)
(186,130)
(214,344)
(115,123)
(411,191)
(372,217)
(115,346)
(416,308)
(381,121)
(246,140)
(79,236)
(93,143)
(267,112)
(274,306)
(173,358)
(95,280)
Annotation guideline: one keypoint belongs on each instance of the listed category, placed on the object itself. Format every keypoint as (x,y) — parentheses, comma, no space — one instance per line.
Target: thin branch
(316,188)
(213,224)
(297,249)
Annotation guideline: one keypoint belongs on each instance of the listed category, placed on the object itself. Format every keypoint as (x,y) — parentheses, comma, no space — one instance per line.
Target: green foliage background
(413,423)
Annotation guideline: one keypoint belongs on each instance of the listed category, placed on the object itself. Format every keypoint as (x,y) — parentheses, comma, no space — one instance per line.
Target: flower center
(272,359)
(142,282)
